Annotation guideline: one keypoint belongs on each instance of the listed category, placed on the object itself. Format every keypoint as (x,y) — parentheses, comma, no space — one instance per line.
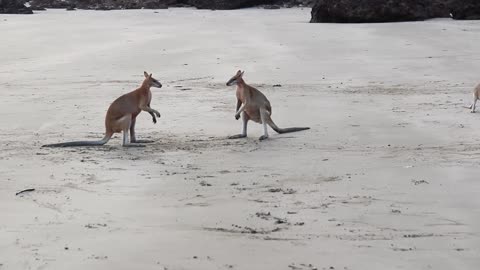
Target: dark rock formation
(14,7)
(17,6)
(366,11)
(158,4)
(227,4)
(43,4)
(296,3)
(271,7)
(363,11)
(457,9)
(438,8)
(234,4)
(121,4)
(465,9)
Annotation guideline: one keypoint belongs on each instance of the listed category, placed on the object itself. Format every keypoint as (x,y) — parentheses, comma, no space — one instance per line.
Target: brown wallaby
(253,105)
(476,96)
(121,115)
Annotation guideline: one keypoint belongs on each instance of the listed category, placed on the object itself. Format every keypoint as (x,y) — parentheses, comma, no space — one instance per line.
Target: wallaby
(253,105)
(122,114)
(476,96)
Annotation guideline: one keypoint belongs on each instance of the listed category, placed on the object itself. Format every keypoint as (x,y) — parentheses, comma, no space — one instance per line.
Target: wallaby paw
(133,145)
(263,137)
(142,141)
(237,116)
(239,136)
(472,111)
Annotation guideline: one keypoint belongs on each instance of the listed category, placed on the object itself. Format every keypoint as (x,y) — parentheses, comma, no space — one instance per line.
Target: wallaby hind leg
(265,118)
(245,119)
(126,143)
(133,139)
(474,105)
(125,123)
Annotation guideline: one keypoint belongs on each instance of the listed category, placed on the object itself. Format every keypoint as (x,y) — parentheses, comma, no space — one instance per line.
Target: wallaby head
(150,81)
(236,79)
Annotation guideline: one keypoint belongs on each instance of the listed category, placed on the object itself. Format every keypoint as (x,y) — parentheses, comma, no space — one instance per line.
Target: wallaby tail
(285,130)
(292,129)
(81,143)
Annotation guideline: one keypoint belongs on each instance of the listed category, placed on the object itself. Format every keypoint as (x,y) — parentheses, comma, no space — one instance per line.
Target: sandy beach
(388,177)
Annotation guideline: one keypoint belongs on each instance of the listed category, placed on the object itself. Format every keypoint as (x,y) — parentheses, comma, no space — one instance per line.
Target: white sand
(385,103)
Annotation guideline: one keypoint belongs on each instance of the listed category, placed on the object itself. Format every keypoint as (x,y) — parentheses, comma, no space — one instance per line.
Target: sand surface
(387,178)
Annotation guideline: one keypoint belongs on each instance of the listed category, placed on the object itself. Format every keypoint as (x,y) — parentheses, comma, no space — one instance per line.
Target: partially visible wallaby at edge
(253,105)
(121,115)
(476,96)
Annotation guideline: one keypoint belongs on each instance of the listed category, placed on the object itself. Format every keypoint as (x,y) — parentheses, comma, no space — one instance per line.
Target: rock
(122,4)
(465,9)
(369,11)
(295,3)
(101,7)
(152,4)
(363,11)
(162,4)
(438,8)
(147,4)
(44,4)
(226,4)
(235,4)
(14,7)
(271,7)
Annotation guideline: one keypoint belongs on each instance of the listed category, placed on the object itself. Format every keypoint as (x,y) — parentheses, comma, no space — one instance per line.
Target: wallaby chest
(149,96)
(144,98)
(242,94)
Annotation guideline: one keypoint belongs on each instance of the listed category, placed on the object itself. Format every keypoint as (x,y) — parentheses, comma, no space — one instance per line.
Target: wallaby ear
(238,72)
(241,74)
(150,75)
(145,74)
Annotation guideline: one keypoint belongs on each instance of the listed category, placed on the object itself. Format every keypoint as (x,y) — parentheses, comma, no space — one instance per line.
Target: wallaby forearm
(239,103)
(150,110)
(154,119)
(239,111)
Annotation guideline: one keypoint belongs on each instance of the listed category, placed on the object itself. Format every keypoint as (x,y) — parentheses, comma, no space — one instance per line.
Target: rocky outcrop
(371,11)
(363,11)
(234,4)
(43,4)
(438,8)
(457,9)
(465,9)
(121,4)
(103,4)
(14,7)
(227,4)
(158,4)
